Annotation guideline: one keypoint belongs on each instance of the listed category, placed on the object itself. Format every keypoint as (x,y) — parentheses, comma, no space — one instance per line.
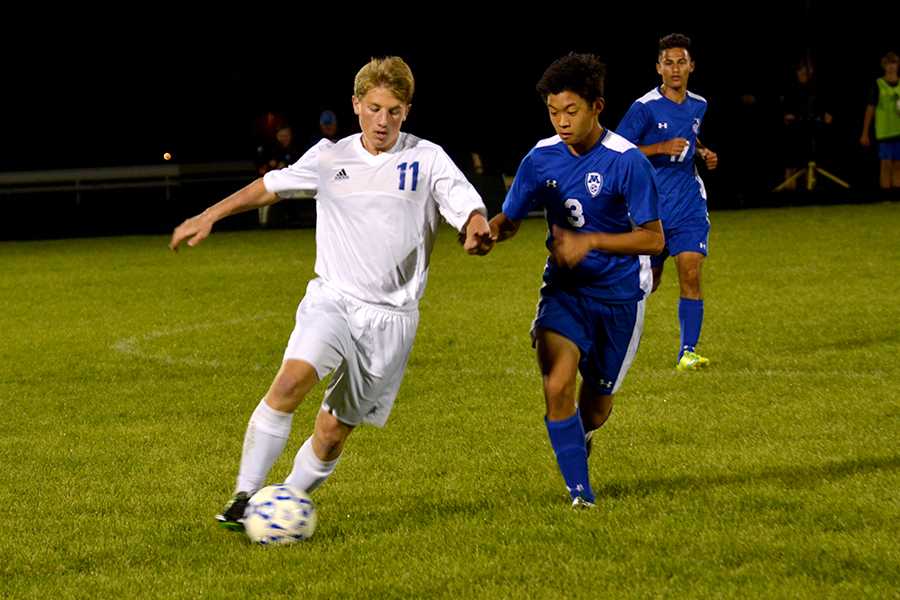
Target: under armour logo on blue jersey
(341,175)
(594,182)
(605,383)
(663,125)
(703,245)
(552,183)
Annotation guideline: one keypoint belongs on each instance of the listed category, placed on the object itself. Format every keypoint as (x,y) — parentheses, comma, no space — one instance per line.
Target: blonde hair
(391,72)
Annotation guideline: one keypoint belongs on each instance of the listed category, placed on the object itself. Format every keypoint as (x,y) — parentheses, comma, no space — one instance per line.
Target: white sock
(309,472)
(267,433)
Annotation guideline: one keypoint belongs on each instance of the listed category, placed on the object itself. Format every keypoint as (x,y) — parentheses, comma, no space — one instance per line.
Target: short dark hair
(582,74)
(675,40)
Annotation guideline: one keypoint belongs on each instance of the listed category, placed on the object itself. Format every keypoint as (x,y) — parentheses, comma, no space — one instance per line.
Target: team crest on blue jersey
(696,126)
(594,183)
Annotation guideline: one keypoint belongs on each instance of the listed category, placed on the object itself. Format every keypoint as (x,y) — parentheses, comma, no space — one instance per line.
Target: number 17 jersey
(654,118)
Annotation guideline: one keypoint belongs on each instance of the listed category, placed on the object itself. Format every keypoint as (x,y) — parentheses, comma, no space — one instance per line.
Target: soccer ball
(279,514)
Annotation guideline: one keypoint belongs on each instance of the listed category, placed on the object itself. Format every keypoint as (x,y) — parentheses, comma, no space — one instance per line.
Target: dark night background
(82,94)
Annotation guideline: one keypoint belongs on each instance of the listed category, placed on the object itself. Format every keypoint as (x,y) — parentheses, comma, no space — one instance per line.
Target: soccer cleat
(589,441)
(580,503)
(232,516)
(691,361)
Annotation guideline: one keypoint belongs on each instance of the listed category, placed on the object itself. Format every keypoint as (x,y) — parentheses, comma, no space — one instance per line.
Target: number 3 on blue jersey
(577,216)
(415,175)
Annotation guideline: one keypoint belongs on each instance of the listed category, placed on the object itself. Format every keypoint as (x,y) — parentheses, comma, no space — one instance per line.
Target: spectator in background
(807,121)
(477,163)
(282,153)
(328,128)
(884,107)
(278,155)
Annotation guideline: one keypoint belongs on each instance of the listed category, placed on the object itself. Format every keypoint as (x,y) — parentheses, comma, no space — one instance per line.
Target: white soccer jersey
(377,216)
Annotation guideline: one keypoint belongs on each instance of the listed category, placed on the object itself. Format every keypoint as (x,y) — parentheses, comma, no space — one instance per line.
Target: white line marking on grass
(132,345)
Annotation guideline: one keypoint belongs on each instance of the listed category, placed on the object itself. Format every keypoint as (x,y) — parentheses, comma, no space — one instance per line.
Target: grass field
(128,374)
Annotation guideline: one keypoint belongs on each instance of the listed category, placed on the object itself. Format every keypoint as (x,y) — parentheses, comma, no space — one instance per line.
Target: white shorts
(365,346)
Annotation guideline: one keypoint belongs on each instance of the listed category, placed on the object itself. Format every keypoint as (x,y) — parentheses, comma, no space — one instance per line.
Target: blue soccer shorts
(607,334)
(687,236)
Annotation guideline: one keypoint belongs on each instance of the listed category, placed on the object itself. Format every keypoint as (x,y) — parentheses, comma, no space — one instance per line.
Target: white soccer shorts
(365,346)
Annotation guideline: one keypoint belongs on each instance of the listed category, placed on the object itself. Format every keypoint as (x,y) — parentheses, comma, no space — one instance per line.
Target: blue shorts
(607,334)
(889,150)
(690,236)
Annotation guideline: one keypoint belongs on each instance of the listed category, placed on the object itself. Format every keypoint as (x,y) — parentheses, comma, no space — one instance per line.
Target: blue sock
(690,316)
(567,439)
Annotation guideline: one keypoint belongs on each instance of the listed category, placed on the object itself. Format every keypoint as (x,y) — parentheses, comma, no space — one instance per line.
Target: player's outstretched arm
(570,247)
(503,228)
(477,235)
(197,228)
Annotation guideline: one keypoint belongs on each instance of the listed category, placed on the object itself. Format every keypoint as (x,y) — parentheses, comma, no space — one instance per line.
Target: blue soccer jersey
(609,189)
(654,118)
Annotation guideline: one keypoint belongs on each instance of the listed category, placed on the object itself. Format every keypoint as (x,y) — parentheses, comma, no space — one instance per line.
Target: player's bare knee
(690,282)
(558,389)
(560,397)
(595,410)
(290,386)
(286,393)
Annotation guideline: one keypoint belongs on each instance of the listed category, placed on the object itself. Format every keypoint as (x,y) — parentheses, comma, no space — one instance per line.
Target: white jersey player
(379,198)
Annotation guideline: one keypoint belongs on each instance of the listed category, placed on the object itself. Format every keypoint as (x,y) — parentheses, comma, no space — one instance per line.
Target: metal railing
(167,177)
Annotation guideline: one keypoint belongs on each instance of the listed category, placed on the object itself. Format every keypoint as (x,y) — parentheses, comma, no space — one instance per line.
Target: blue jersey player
(665,123)
(599,196)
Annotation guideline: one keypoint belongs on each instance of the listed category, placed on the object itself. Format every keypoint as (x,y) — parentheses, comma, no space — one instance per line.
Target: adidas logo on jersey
(341,175)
